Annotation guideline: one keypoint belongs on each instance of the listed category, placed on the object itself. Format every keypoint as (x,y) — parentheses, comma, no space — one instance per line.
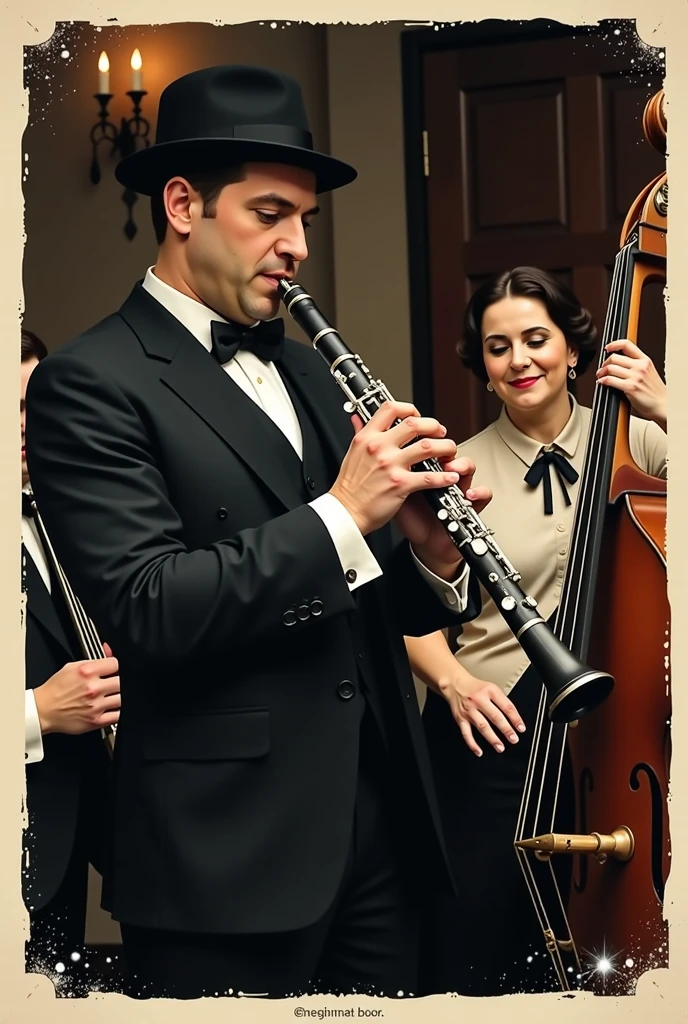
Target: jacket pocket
(236,734)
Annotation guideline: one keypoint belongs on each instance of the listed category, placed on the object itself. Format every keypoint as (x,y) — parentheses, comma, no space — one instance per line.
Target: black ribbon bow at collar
(266,339)
(540,471)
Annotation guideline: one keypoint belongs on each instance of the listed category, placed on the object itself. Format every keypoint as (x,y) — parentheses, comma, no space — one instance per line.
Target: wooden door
(534,151)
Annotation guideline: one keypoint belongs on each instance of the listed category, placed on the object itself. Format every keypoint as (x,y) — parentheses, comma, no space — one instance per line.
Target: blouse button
(560,527)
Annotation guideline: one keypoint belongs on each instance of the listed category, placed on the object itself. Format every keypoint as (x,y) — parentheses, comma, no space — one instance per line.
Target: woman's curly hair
(563,308)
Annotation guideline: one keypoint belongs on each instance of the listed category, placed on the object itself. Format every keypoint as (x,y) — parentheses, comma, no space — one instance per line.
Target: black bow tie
(540,471)
(266,339)
(27,508)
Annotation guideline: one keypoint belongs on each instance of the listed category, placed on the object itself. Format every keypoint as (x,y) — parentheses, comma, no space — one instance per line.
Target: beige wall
(370,254)
(78,263)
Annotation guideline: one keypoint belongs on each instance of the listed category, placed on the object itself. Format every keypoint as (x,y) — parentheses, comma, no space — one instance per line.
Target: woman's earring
(489,386)
(572,373)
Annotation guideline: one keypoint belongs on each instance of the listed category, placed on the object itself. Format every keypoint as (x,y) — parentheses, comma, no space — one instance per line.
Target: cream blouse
(536,544)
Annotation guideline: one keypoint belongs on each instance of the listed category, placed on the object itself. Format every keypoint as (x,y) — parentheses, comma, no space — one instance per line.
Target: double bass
(603,926)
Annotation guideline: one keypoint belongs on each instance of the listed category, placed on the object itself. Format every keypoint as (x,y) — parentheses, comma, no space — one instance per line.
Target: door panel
(535,152)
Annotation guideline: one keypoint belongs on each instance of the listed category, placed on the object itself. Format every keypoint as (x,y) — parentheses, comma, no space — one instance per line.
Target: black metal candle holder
(123,143)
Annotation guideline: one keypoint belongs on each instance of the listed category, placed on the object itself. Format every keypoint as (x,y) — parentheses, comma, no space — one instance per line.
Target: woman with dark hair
(526,336)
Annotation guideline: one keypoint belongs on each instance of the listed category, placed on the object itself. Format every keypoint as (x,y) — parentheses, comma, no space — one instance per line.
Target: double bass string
(84,627)
(605,406)
(569,607)
(548,744)
(86,631)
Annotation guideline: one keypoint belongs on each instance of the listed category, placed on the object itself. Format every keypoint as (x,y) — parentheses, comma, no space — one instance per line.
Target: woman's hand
(476,704)
(628,369)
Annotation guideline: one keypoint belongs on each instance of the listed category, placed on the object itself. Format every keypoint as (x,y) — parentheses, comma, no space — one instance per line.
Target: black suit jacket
(191,545)
(71,780)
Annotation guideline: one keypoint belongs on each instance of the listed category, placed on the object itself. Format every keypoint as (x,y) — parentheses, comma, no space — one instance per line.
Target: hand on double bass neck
(630,370)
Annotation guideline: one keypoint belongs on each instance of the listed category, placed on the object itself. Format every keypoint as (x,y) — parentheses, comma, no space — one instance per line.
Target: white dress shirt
(261,381)
(33,738)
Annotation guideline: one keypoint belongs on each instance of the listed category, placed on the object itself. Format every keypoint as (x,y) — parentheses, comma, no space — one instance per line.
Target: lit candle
(136,77)
(103,74)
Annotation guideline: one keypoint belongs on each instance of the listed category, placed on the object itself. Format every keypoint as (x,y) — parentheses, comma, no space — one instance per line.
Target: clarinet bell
(573,688)
(578,697)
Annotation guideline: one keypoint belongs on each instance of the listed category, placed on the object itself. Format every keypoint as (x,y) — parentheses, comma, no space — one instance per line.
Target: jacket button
(289,617)
(222,513)
(311,483)
(351,575)
(304,612)
(316,606)
(346,689)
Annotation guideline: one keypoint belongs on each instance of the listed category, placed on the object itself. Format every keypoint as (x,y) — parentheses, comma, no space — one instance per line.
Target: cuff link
(351,575)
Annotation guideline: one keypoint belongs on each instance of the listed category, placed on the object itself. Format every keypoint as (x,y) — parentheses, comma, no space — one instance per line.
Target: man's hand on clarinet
(376,482)
(431,543)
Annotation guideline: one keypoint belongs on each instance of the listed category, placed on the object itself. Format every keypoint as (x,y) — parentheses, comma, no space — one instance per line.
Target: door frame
(415,44)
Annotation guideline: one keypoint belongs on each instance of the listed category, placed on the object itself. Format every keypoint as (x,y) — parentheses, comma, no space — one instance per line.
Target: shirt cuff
(358,564)
(454,595)
(33,738)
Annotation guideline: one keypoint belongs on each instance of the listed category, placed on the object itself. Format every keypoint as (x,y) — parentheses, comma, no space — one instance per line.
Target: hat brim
(148,170)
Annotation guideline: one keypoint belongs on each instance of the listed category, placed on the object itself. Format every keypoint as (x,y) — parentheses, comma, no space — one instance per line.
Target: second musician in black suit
(68,701)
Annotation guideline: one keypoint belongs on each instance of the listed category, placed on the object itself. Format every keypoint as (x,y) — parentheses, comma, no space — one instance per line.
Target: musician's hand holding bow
(630,370)
(81,697)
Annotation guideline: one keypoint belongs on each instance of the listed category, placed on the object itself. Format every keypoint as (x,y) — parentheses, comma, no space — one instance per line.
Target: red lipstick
(523,382)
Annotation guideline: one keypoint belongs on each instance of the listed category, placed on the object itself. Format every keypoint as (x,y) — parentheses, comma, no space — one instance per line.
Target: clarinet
(573,688)
(85,630)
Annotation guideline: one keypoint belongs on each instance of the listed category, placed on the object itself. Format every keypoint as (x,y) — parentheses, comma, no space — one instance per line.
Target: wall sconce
(124,140)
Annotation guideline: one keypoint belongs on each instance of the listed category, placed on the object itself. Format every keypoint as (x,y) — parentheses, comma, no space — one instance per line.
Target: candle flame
(136,61)
(103,62)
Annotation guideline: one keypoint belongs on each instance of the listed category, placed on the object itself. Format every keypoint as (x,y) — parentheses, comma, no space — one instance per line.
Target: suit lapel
(201,383)
(40,604)
(197,379)
(323,399)
(334,431)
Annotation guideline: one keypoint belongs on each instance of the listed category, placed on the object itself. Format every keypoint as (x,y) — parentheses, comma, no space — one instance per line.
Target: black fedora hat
(230,114)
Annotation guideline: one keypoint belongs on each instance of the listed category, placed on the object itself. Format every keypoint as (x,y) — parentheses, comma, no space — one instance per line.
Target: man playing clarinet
(230,530)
